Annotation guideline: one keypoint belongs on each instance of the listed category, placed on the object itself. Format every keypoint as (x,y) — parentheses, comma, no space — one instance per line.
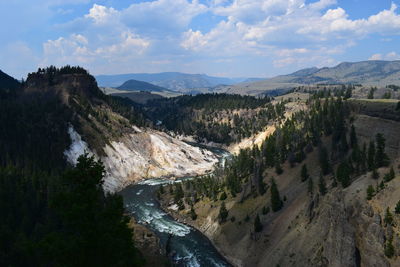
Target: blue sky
(236,38)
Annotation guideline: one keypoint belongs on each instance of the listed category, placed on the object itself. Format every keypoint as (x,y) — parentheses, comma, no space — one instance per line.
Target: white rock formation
(144,154)
(78,147)
(151,154)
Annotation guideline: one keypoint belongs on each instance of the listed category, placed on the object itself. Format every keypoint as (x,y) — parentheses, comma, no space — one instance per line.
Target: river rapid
(186,245)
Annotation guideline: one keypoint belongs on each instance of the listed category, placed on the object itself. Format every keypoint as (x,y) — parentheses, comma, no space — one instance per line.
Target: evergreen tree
(343,174)
(371,156)
(304,173)
(375,174)
(389,176)
(278,168)
(257,224)
(265,210)
(371,93)
(223,213)
(310,186)
(324,160)
(353,137)
(381,159)
(389,248)
(388,217)
(322,185)
(276,202)
(370,192)
(193,214)
(397,208)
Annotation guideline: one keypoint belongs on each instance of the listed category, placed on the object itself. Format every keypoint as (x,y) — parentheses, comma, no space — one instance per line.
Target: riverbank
(147,242)
(206,221)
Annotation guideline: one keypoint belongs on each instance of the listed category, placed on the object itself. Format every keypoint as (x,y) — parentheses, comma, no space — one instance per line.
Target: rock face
(341,228)
(151,154)
(144,154)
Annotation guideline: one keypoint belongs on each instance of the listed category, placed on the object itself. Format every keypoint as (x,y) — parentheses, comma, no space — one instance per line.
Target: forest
(54,214)
(219,118)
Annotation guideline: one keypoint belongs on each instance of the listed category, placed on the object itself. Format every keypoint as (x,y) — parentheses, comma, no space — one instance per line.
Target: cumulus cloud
(389,56)
(165,35)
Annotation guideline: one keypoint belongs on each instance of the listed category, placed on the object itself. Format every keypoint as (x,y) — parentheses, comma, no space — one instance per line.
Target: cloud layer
(242,37)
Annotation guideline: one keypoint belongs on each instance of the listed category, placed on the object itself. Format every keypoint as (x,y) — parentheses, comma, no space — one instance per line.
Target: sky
(230,38)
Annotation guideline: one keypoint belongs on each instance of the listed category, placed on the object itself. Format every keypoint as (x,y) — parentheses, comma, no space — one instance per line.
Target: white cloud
(101,14)
(164,35)
(389,56)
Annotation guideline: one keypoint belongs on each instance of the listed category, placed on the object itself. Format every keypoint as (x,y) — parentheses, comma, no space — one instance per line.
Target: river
(188,246)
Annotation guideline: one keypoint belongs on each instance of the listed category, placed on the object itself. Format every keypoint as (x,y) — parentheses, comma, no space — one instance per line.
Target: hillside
(51,191)
(265,210)
(138,97)
(175,81)
(368,73)
(8,82)
(134,85)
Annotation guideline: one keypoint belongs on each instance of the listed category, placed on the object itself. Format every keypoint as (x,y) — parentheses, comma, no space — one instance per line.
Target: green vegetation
(397,208)
(322,185)
(257,224)
(223,213)
(389,248)
(54,215)
(388,220)
(390,175)
(370,192)
(64,219)
(304,173)
(221,118)
(276,202)
(371,93)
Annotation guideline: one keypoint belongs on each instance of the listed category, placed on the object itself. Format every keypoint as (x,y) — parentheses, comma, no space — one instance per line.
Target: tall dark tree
(343,174)
(381,158)
(371,156)
(353,137)
(276,202)
(257,224)
(304,173)
(223,213)
(324,160)
(322,185)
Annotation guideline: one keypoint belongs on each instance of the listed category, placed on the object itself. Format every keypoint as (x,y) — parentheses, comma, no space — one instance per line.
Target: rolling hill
(370,73)
(134,85)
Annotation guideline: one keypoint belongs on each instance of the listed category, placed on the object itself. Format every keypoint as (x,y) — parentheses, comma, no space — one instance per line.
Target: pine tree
(389,249)
(324,160)
(257,224)
(371,156)
(397,208)
(370,192)
(276,202)
(390,175)
(322,185)
(223,213)
(381,159)
(343,174)
(304,173)
(193,214)
(310,186)
(388,217)
(353,137)
(375,174)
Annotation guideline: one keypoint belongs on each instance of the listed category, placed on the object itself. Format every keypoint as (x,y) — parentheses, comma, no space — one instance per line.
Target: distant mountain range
(175,81)
(370,73)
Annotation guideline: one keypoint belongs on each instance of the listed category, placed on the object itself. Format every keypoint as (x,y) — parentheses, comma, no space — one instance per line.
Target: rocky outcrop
(150,154)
